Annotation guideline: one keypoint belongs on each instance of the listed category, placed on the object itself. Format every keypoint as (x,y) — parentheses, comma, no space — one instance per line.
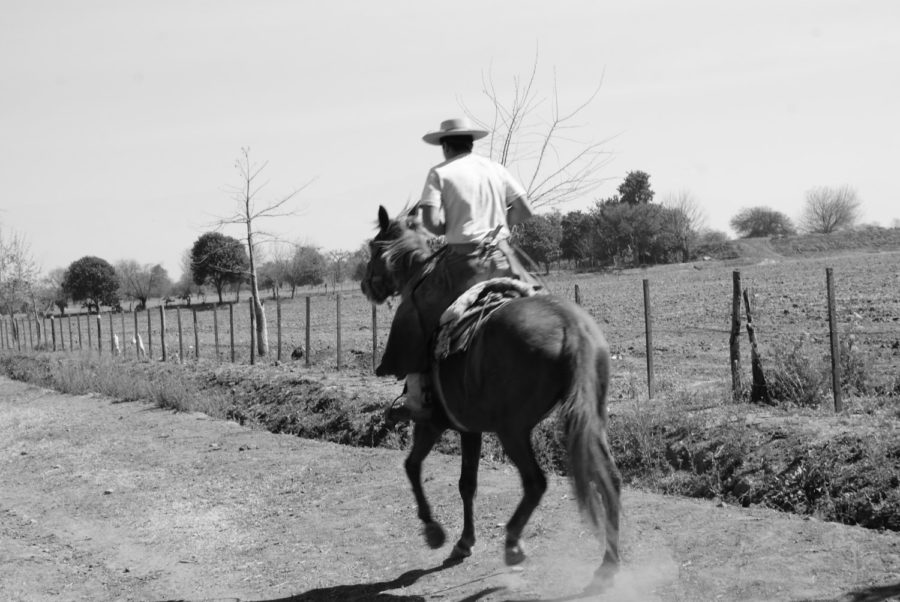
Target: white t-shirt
(474,193)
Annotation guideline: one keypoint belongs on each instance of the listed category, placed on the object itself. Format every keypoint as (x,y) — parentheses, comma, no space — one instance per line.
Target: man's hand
(519,212)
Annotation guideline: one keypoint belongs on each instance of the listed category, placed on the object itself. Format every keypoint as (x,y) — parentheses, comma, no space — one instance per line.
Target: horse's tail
(584,418)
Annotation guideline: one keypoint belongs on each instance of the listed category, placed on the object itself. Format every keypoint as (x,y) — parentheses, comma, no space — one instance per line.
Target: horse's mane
(408,244)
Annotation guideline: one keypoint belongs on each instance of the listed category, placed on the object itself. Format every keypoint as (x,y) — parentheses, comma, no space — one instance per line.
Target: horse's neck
(410,275)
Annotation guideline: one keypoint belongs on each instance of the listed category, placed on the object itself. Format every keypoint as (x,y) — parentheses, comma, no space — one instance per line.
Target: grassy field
(690,307)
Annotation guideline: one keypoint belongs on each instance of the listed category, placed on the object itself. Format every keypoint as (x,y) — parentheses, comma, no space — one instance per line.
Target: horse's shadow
(363,592)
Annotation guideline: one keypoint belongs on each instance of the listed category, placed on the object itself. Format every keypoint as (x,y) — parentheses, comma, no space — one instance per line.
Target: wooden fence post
(338,321)
(252,333)
(216,331)
(734,342)
(69,326)
(53,332)
(196,336)
(137,353)
(307,330)
(124,336)
(374,336)
(278,326)
(577,295)
(835,343)
(90,336)
(78,323)
(30,334)
(180,336)
(112,336)
(99,333)
(149,334)
(759,391)
(648,327)
(231,328)
(162,332)
(3,333)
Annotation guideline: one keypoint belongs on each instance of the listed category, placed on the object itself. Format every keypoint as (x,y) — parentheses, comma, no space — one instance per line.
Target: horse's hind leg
(468,485)
(424,437)
(534,483)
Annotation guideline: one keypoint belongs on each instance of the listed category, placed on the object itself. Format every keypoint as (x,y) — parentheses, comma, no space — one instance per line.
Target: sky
(121,120)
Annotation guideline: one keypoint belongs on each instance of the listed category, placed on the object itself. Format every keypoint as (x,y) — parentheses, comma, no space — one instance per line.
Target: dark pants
(408,348)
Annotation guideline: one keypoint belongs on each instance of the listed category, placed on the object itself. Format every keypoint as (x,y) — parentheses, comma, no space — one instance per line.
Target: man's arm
(431,219)
(519,211)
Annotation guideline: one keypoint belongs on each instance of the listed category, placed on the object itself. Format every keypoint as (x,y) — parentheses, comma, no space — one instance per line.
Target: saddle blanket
(464,317)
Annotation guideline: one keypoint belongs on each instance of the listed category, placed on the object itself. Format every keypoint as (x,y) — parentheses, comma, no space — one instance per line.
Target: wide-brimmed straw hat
(454,127)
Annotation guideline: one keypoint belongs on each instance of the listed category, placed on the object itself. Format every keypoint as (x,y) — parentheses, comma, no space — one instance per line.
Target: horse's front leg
(468,486)
(425,435)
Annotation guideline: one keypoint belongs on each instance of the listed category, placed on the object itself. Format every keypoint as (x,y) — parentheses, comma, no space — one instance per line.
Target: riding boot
(418,398)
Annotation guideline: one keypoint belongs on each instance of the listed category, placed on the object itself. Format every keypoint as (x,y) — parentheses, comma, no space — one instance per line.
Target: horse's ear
(413,211)
(383,220)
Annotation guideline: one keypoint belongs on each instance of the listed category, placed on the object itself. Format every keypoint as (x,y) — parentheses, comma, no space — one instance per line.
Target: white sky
(120,121)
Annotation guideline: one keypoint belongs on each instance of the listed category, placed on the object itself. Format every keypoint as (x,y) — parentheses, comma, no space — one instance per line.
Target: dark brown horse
(533,354)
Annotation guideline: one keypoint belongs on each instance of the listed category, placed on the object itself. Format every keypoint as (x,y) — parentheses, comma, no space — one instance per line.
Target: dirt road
(122,501)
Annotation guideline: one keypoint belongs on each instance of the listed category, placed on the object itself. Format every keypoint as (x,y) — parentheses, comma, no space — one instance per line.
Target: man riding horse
(472,201)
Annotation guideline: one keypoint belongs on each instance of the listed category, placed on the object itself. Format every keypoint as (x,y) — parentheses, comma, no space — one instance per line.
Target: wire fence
(677,323)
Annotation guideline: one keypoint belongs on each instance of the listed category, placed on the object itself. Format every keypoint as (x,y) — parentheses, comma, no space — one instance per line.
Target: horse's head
(396,252)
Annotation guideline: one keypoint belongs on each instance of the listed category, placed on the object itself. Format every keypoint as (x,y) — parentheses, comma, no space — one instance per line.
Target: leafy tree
(93,281)
(713,243)
(539,238)
(307,268)
(218,260)
(143,281)
(635,190)
(761,221)
(830,209)
(577,238)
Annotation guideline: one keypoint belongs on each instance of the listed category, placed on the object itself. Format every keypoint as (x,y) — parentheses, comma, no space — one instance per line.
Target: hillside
(863,240)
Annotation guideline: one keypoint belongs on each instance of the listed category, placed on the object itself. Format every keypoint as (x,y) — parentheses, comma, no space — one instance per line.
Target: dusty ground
(121,501)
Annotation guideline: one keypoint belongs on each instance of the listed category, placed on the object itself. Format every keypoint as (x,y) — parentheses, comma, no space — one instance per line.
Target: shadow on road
(363,592)
(875,593)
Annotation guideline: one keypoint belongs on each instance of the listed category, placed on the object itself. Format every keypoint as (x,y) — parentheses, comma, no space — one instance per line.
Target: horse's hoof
(515,554)
(603,577)
(460,551)
(434,535)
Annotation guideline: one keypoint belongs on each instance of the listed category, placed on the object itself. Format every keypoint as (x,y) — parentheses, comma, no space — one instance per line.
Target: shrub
(797,374)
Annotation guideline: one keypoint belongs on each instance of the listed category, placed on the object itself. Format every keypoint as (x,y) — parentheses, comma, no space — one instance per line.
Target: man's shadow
(363,592)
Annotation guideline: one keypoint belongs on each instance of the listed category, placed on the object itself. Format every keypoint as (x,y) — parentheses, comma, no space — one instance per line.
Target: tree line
(630,229)
(216,264)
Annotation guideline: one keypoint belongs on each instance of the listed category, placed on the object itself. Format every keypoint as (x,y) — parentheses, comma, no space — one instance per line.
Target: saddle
(464,317)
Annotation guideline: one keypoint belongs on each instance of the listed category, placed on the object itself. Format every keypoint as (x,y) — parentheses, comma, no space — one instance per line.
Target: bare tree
(18,272)
(248,214)
(687,219)
(50,291)
(537,136)
(142,281)
(829,209)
